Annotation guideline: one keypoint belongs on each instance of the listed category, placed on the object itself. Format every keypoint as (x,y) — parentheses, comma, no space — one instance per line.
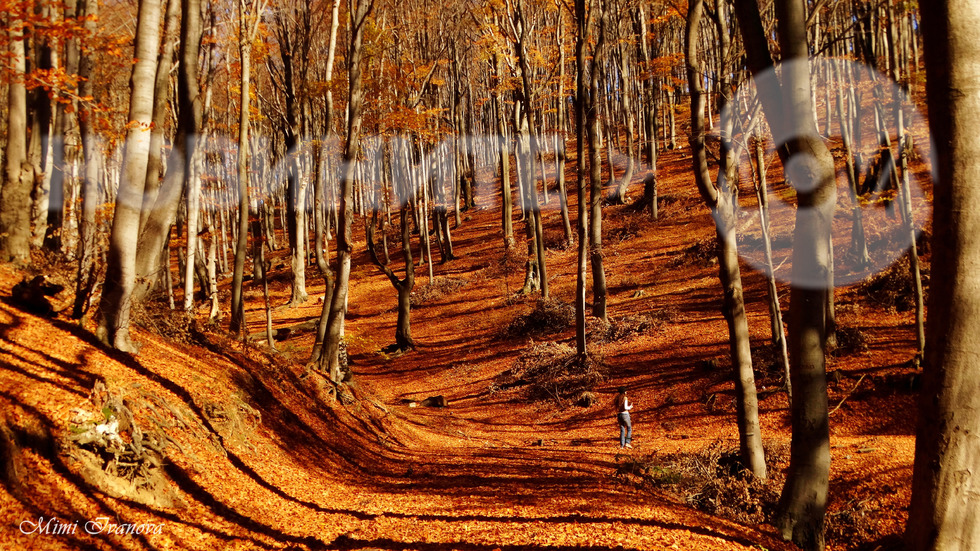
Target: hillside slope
(261,456)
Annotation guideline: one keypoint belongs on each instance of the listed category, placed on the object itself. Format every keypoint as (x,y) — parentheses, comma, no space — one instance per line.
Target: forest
(363,274)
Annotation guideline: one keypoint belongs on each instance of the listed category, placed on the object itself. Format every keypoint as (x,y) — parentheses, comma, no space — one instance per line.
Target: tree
(85,279)
(15,196)
(809,167)
(330,357)
(249,16)
(721,201)
(583,23)
(121,269)
(945,508)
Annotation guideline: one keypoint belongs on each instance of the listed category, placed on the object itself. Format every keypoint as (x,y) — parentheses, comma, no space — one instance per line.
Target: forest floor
(262,455)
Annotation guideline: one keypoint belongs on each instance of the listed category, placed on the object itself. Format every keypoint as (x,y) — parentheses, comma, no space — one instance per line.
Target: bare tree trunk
(403,327)
(330,359)
(15,195)
(85,280)
(721,202)
(246,34)
(595,167)
(121,269)
(507,210)
(161,93)
(160,206)
(582,22)
(775,310)
(945,508)
(810,169)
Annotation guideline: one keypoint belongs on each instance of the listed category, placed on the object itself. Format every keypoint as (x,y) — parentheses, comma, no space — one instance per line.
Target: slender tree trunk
(582,20)
(595,189)
(507,210)
(330,359)
(85,280)
(945,508)
(721,202)
(775,310)
(246,34)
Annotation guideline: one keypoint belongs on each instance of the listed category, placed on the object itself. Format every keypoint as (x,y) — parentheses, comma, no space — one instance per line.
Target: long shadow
(44,446)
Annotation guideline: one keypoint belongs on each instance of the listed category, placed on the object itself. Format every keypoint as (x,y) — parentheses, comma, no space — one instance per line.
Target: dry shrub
(893,288)
(629,229)
(852,523)
(439,288)
(850,340)
(507,263)
(555,371)
(712,480)
(155,316)
(554,240)
(645,471)
(702,253)
(621,329)
(548,316)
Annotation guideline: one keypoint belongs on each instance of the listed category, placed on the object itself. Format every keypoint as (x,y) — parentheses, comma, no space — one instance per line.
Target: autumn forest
(489,274)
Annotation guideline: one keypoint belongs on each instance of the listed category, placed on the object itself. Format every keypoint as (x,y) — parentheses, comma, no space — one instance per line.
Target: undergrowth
(440,287)
(554,371)
(548,316)
(712,480)
(715,481)
(894,287)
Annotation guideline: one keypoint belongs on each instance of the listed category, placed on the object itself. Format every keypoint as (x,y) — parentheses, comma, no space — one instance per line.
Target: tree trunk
(945,508)
(721,202)
(581,99)
(809,167)
(161,93)
(121,269)
(160,207)
(330,359)
(15,195)
(85,279)
(507,210)
(595,189)
(246,34)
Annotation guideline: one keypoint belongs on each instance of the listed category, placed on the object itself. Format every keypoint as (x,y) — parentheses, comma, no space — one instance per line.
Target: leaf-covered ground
(261,454)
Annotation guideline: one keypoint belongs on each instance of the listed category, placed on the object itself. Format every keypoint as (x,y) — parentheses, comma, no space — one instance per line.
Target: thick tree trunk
(160,206)
(161,93)
(15,195)
(121,269)
(809,167)
(945,508)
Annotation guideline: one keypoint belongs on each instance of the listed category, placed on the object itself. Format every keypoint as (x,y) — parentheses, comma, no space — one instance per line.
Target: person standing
(623,406)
